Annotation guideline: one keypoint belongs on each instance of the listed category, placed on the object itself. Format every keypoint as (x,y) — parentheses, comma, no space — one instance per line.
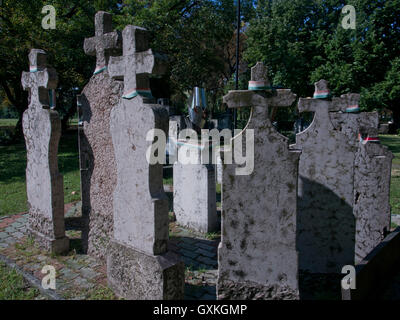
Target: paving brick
(206,253)
(17,235)
(206,246)
(4,235)
(10,229)
(208,296)
(207,261)
(88,273)
(189,254)
(186,246)
(68,274)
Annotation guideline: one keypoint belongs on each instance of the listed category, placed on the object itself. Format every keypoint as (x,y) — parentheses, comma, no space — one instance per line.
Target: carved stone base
(248,290)
(56,246)
(135,275)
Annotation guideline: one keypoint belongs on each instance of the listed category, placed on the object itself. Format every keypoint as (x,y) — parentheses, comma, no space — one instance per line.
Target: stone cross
(44,183)
(371,192)
(325,194)
(259,207)
(136,63)
(104,42)
(140,236)
(39,80)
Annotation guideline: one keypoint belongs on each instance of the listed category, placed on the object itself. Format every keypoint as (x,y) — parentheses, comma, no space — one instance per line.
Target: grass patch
(13,286)
(8,122)
(12,174)
(393,143)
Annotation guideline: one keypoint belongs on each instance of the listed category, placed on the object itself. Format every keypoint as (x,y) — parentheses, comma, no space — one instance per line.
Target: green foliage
(13,285)
(12,174)
(303,41)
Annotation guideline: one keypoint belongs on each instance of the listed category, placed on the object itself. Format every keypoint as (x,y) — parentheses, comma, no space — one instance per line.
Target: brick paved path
(80,276)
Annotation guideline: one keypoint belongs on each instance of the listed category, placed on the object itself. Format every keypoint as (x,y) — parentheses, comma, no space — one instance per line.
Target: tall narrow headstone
(97,162)
(257,255)
(326,222)
(372,173)
(373,165)
(195,203)
(42,131)
(138,263)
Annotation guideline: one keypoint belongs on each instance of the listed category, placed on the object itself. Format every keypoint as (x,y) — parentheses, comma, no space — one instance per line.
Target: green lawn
(12,174)
(393,143)
(13,286)
(8,122)
(13,164)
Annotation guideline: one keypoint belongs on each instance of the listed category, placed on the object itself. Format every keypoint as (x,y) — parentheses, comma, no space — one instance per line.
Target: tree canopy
(303,41)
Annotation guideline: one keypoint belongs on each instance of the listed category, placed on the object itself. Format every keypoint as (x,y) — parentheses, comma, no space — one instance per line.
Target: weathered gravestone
(326,223)
(195,203)
(138,263)
(373,165)
(371,175)
(44,183)
(97,162)
(257,255)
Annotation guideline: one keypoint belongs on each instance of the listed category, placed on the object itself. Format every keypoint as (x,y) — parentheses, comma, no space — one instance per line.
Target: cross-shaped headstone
(258,96)
(104,41)
(39,80)
(136,63)
(320,105)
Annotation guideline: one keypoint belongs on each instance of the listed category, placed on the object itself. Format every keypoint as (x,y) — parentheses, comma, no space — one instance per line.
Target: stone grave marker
(257,255)
(373,165)
(42,131)
(326,223)
(195,203)
(371,175)
(97,162)
(139,266)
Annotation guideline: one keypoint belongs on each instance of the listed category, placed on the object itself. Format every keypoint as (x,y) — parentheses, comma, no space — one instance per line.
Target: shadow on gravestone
(257,255)
(139,265)
(326,224)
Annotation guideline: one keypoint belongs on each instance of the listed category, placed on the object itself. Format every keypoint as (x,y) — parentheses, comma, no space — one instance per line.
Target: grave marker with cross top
(42,131)
(136,63)
(260,92)
(105,41)
(41,81)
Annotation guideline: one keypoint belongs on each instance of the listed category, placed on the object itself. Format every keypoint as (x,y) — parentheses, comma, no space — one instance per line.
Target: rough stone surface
(138,276)
(195,195)
(372,195)
(97,162)
(42,131)
(140,205)
(371,175)
(257,255)
(326,222)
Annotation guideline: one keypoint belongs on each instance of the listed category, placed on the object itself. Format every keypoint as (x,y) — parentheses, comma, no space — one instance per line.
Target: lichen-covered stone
(138,264)
(44,183)
(257,255)
(371,195)
(97,162)
(136,275)
(195,194)
(326,223)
